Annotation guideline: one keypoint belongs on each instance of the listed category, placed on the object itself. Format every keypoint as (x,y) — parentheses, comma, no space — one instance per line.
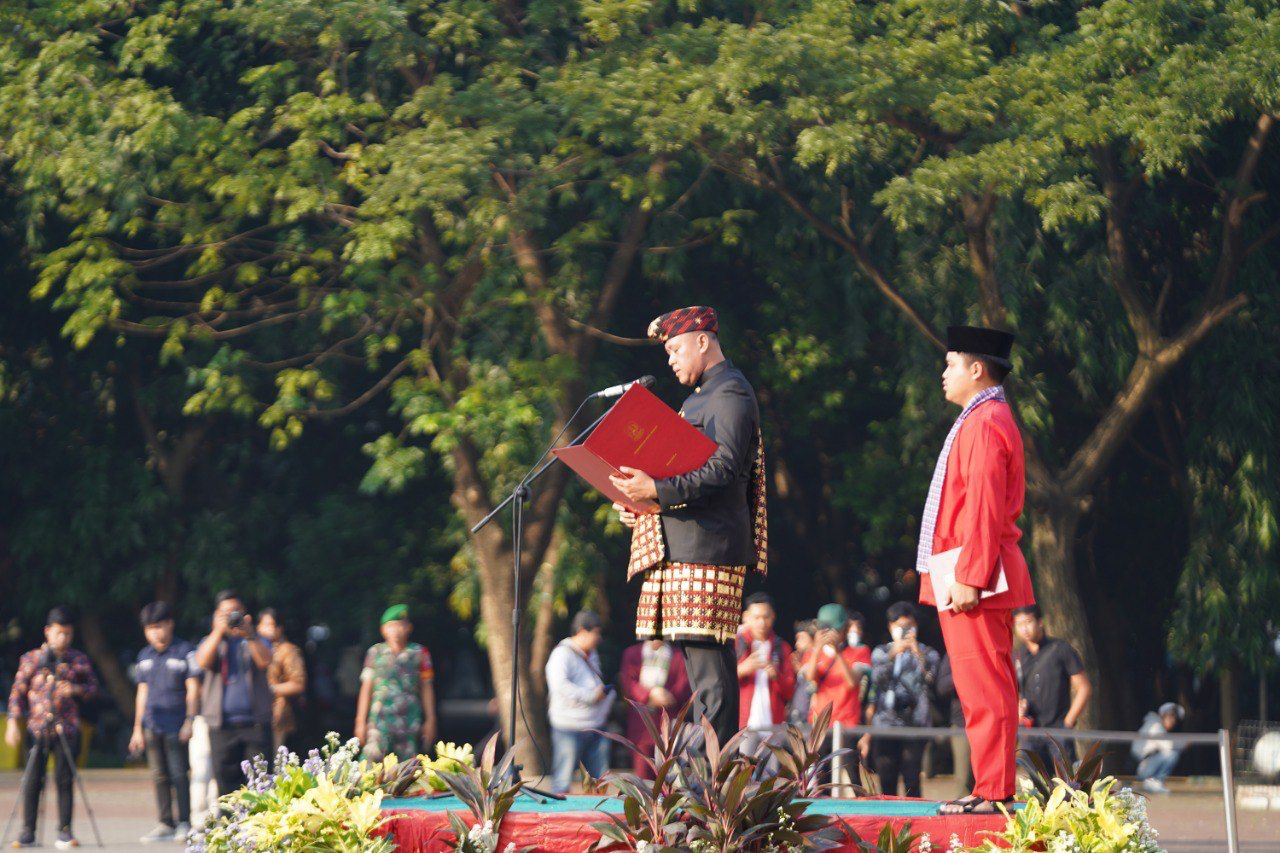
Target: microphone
(619,390)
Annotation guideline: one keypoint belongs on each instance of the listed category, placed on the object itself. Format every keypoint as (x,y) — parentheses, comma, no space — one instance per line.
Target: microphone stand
(519,495)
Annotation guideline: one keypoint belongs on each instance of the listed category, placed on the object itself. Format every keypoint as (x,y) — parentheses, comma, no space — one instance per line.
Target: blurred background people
(798,710)
(396,709)
(578,702)
(1051,680)
(903,671)
(167,700)
(1157,757)
(235,699)
(651,673)
(286,676)
(838,674)
(52,683)
(766,678)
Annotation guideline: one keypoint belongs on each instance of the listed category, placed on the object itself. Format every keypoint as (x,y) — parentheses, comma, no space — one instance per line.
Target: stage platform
(422,824)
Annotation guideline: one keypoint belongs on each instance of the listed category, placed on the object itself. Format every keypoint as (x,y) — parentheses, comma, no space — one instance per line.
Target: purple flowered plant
(271,785)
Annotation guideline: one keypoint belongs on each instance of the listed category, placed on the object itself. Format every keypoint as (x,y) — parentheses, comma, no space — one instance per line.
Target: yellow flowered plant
(325,803)
(326,817)
(1077,821)
(451,758)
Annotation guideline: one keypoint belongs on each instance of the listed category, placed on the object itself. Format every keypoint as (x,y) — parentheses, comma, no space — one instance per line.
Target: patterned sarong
(690,601)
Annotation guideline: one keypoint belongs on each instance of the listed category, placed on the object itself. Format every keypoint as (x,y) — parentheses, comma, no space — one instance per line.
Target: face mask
(853,637)
(897,632)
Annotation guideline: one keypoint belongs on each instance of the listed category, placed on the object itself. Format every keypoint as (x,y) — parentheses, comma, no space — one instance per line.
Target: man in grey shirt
(578,702)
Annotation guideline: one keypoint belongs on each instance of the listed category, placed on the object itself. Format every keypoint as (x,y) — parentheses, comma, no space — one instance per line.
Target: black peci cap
(976,340)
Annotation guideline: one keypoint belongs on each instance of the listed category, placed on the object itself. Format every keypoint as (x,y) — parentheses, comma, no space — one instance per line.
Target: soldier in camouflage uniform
(396,712)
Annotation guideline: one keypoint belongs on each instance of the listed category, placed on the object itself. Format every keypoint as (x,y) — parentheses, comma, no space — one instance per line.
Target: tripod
(518,496)
(67,755)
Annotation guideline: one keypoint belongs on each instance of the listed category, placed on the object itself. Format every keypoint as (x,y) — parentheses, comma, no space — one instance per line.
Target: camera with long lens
(235,619)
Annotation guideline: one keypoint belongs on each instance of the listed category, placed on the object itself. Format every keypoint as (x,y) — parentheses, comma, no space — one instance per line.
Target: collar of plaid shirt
(933,502)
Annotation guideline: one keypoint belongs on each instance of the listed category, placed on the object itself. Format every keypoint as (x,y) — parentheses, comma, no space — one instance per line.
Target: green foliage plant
(488,789)
(1044,779)
(709,797)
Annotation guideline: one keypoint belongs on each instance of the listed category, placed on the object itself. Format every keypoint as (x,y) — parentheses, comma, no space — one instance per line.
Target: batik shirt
(903,684)
(395,706)
(47,698)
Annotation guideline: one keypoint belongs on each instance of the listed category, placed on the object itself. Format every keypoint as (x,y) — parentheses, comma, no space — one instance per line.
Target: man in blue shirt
(167,701)
(235,698)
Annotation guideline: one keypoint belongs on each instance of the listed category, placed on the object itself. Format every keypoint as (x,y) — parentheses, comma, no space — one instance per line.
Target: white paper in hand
(942,574)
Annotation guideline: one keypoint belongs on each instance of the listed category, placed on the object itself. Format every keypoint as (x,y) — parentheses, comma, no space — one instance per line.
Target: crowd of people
(828,664)
(203,709)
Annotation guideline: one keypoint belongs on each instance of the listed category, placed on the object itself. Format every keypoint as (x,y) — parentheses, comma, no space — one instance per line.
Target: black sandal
(959,806)
(973,806)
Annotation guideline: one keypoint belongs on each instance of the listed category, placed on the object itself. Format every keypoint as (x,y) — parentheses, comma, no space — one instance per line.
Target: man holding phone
(837,672)
(903,672)
(235,697)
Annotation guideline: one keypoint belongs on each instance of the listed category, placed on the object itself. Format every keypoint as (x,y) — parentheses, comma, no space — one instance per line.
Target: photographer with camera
(52,683)
(235,697)
(903,672)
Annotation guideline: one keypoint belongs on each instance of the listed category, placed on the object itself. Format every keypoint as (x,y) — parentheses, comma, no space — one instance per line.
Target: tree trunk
(544,620)
(105,661)
(1053,540)
(532,734)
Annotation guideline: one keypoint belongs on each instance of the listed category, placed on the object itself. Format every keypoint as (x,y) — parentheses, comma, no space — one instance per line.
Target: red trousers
(980,645)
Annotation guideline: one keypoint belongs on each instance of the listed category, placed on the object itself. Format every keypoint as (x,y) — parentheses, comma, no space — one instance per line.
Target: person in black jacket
(711,527)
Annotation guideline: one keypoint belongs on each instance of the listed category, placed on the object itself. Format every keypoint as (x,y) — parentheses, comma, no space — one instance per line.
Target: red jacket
(629,681)
(833,690)
(982,497)
(781,688)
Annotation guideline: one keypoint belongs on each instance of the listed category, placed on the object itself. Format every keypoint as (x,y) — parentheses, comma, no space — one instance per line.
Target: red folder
(640,432)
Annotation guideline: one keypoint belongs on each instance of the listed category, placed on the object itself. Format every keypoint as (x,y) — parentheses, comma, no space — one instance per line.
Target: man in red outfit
(766,678)
(652,674)
(970,521)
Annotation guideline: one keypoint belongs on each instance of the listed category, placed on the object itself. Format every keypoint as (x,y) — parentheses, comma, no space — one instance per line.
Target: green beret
(395,613)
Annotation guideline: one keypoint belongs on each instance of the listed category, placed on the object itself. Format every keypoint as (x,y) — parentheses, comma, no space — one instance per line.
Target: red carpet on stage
(423,824)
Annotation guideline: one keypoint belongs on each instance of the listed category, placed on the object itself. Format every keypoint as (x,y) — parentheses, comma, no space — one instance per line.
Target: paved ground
(1190,820)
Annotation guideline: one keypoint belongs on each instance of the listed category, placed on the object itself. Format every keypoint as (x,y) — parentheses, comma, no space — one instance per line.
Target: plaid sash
(649,547)
(933,502)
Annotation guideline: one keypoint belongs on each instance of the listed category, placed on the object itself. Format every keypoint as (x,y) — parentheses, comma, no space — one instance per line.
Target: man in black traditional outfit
(695,552)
